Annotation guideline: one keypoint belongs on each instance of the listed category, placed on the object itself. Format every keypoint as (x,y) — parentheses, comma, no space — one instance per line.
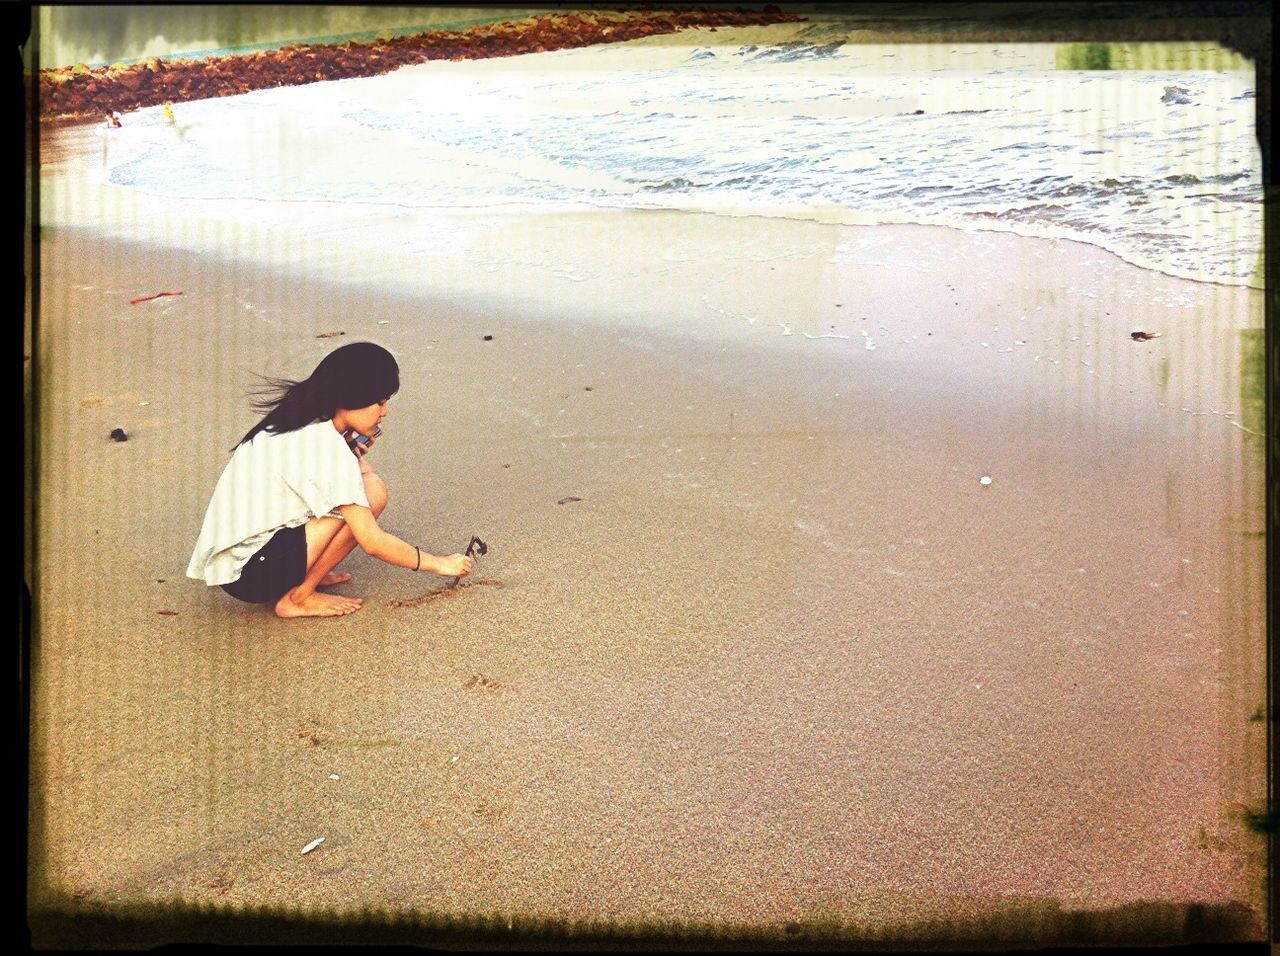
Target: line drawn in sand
(446,592)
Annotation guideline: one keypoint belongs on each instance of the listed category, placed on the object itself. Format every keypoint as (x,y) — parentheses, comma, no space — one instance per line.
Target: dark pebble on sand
(488,338)
(565,501)
(159,580)
(117,434)
(587,389)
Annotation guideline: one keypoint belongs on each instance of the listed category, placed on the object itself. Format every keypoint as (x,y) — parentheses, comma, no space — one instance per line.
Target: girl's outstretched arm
(377,543)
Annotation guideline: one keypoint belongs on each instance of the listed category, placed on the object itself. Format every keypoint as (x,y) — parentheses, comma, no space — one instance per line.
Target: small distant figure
(113,120)
(168,113)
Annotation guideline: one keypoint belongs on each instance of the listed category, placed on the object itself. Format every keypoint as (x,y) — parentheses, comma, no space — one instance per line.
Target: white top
(273,482)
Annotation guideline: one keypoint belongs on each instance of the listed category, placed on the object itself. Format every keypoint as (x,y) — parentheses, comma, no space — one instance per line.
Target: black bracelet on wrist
(418,566)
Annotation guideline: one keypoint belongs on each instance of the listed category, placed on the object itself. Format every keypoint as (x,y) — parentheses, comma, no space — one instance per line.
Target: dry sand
(786,658)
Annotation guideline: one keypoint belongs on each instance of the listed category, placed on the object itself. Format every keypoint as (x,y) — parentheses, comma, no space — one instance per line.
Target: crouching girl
(298,495)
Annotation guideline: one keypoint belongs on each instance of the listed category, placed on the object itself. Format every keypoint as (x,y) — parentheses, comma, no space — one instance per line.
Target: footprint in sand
(221,882)
(491,811)
(483,684)
(312,731)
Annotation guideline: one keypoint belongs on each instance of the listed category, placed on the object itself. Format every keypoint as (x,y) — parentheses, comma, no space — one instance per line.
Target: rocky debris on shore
(79,92)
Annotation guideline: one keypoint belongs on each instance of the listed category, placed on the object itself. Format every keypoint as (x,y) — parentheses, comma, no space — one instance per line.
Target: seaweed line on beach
(445,592)
(80,92)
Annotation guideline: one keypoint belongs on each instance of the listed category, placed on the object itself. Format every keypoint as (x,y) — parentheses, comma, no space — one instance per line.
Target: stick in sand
(476,547)
(148,298)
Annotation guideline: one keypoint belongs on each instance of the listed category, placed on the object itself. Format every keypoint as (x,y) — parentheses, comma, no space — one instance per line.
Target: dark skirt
(275,568)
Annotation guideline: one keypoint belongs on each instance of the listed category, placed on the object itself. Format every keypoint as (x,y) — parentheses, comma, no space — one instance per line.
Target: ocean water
(792,120)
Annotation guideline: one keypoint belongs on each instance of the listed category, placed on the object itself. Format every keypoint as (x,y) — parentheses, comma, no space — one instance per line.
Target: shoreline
(76,144)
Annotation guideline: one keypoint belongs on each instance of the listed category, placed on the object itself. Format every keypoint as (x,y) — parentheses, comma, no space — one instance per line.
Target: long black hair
(353,376)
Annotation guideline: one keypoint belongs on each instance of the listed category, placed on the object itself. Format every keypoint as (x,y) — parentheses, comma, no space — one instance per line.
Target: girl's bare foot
(316,605)
(334,577)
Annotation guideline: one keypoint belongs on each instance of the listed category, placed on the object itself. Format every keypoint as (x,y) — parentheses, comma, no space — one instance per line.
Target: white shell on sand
(312,845)
(985,479)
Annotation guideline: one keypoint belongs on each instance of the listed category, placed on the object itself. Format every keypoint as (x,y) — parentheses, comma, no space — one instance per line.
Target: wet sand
(785,658)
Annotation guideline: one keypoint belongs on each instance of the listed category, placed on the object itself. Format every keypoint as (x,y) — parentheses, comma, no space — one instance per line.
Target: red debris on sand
(148,298)
(78,92)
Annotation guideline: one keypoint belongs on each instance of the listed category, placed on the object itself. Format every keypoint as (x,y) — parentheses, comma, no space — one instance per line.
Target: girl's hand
(455,565)
(362,449)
